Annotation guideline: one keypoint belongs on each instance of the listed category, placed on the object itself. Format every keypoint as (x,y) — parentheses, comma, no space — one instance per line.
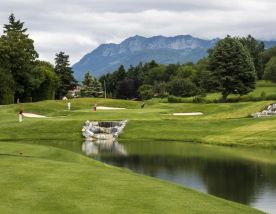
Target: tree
(146,92)
(49,81)
(255,48)
(232,65)
(125,89)
(91,87)
(186,71)
(270,70)
(154,74)
(18,56)
(65,73)
(182,87)
(268,54)
(6,87)
(204,78)
(107,80)
(160,89)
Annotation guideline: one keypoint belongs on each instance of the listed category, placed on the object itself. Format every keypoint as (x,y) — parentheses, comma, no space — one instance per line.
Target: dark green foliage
(91,87)
(182,87)
(204,78)
(49,81)
(18,56)
(270,70)
(186,71)
(232,65)
(268,54)
(160,89)
(157,73)
(6,87)
(174,99)
(125,89)
(65,74)
(146,92)
(255,49)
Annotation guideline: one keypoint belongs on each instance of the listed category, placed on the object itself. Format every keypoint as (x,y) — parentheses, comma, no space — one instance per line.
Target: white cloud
(77,27)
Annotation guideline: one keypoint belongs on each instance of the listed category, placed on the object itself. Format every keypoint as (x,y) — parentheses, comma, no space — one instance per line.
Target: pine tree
(231,64)
(18,55)
(91,87)
(65,73)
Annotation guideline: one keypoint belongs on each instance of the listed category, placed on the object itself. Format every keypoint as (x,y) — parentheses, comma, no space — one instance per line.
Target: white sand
(33,115)
(108,108)
(188,114)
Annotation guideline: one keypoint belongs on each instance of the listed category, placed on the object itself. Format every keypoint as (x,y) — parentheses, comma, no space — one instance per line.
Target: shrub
(199,99)
(146,92)
(182,88)
(174,99)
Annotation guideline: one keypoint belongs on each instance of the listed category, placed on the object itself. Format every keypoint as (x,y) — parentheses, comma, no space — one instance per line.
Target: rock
(103,130)
(269,111)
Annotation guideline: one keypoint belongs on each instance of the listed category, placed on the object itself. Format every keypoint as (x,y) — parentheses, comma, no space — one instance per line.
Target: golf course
(43,169)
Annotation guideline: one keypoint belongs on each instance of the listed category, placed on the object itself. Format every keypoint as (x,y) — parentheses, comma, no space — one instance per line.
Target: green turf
(53,177)
(263,89)
(56,183)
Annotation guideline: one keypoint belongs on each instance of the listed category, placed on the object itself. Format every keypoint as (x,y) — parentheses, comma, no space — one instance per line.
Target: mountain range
(165,50)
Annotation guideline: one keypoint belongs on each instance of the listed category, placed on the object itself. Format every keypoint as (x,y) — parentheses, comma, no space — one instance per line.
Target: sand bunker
(108,108)
(188,114)
(33,115)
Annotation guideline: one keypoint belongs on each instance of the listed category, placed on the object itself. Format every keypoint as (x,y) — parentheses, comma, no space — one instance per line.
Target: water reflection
(96,147)
(206,169)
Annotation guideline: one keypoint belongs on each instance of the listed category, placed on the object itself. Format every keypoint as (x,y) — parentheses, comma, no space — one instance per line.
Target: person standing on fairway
(20,116)
(95,107)
(69,106)
(143,105)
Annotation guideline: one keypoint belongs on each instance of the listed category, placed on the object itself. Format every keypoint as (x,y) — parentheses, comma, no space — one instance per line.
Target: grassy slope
(36,184)
(48,179)
(262,88)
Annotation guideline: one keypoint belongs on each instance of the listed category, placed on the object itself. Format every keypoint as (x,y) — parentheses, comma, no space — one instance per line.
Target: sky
(79,26)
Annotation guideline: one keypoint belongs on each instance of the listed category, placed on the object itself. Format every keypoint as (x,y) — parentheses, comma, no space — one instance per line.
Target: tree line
(25,78)
(232,67)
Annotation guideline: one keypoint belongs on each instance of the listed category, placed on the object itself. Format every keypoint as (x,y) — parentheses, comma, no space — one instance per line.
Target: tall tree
(270,70)
(6,87)
(91,87)
(255,49)
(232,65)
(49,81)
(18,56)
(65,74)
(268,54)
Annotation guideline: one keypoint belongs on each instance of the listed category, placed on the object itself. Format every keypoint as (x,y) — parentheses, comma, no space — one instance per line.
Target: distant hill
(165,50)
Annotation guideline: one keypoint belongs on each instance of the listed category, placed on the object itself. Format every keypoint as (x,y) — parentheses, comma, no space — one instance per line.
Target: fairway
(43,170)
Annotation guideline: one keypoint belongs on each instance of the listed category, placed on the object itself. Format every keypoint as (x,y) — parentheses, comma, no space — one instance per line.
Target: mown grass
(264,91)
(51,177)
(37,183)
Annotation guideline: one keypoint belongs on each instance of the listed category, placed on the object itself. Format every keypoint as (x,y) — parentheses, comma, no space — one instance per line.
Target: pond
(239,175)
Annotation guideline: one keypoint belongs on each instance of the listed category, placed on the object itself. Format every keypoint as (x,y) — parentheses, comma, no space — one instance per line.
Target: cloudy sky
(79,26)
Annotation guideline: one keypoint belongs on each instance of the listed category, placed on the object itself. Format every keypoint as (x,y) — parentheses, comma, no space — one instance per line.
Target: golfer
(69,106)
(20,116)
